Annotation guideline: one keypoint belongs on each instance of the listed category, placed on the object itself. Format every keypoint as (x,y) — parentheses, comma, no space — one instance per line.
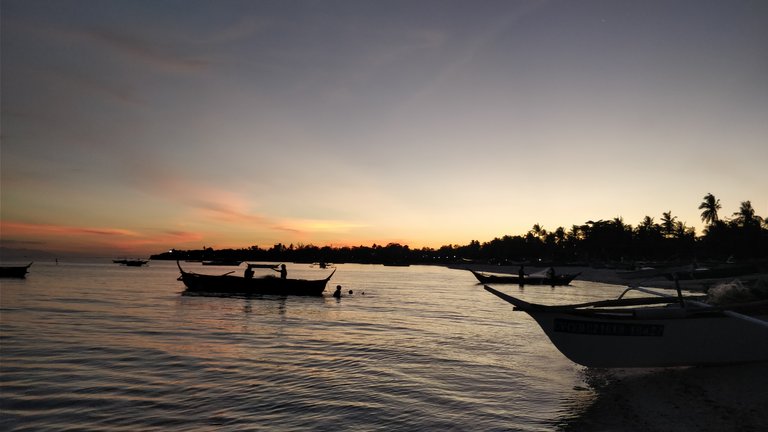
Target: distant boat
(232,263)
(238,285)
(632,332)
(131,262)
(18,272)
(540,278)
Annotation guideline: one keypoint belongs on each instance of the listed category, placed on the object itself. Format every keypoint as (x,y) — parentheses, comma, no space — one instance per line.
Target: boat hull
(15,272)
(648,336)
(606,341)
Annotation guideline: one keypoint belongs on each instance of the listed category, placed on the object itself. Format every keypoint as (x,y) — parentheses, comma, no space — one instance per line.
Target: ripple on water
(424,349)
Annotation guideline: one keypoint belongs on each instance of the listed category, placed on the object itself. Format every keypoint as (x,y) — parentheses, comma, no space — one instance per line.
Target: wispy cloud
(159,54)
(244,27)
(312,226)
(106,238)
(146,51)
(24,228)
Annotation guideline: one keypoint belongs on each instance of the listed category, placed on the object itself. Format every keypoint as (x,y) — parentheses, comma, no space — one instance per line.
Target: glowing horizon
(131,129)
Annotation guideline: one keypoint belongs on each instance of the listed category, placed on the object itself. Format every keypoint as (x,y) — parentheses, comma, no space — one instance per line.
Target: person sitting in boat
(283,271)
(248,274)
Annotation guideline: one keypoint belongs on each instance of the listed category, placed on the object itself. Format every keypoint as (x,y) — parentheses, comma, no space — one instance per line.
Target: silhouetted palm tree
(560,235)
(647,223)
(746,217)
(710,206)
(668,224)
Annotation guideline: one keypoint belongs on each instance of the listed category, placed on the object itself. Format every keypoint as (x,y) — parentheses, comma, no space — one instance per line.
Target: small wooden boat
(539,278)
(238,285)
(637,332)
(18,272)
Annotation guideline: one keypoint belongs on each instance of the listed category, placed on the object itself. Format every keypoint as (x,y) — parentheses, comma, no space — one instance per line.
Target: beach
(716,399)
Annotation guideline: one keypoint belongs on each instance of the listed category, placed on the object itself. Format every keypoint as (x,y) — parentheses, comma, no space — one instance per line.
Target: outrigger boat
(540,278)
(658,331)
(18,272)
(238,285)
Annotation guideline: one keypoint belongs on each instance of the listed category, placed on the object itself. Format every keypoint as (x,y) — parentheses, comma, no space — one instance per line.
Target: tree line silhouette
(743,236)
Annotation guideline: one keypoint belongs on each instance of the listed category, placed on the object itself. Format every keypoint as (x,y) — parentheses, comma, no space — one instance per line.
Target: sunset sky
(132,127)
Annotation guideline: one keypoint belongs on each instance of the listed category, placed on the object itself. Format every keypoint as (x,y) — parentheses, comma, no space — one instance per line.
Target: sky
(132,127)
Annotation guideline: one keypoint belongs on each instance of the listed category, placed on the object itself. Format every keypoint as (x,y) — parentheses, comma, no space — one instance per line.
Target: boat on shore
(716,272)
(659,331)
(540,278)
(17,272)
(238,285)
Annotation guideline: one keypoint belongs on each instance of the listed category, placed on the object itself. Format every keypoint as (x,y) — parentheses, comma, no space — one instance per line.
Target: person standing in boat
(283,271)
(521,276)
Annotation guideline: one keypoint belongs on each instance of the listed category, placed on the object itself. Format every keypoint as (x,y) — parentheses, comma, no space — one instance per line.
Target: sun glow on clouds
(225,219)
(94,239)
(317,226)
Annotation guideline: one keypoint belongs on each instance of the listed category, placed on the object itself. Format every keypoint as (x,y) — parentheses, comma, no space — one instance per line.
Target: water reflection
(425,348)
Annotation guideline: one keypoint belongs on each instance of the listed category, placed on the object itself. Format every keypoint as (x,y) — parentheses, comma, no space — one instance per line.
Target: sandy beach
(701,399)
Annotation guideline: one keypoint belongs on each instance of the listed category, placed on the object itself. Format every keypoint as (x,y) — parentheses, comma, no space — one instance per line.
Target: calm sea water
(97,346)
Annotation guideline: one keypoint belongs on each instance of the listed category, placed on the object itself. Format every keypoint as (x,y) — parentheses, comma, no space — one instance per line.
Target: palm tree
(746,215)
(538,231)
(710,206)
(647,223)
(668,223)
(560,235)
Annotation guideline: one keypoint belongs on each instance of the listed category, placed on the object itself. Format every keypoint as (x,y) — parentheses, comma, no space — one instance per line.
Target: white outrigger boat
(658,331)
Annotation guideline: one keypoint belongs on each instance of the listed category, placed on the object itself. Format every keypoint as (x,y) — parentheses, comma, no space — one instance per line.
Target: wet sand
(706,399)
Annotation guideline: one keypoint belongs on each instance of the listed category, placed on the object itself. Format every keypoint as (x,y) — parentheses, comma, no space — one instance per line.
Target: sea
(103,347)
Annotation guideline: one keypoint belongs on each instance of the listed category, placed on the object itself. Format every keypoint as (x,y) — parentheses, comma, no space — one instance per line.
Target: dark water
(97,346)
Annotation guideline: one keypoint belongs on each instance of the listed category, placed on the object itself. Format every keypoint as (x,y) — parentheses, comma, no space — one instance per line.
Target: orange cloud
(23,228)
(209,202)
(97,239)
(308,226)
